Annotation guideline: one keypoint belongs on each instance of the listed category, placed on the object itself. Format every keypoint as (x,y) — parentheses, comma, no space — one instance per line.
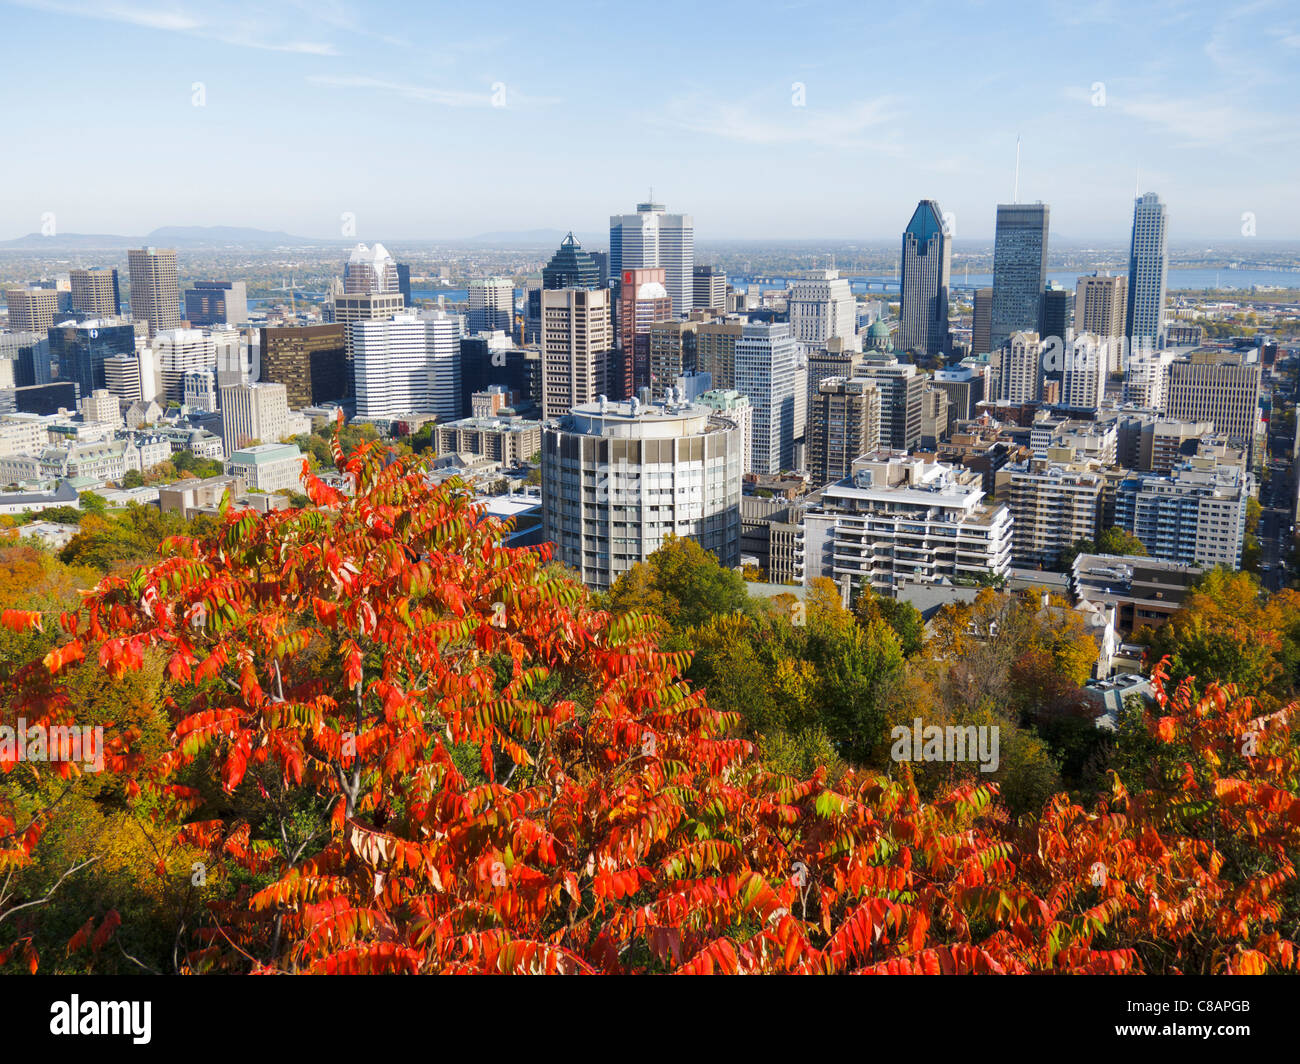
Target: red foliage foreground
(505,779)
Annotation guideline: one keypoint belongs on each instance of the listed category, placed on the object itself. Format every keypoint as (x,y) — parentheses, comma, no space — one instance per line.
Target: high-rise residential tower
(1019,269)
(620,479)
(155,290)
(843,425)
(927,260)
(653,238)
(1148,267)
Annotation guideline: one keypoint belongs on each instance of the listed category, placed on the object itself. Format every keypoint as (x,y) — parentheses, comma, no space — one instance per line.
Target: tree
(1115,540)
(132,478)
(92,503)
(402,747)
(681,582)
(903,618)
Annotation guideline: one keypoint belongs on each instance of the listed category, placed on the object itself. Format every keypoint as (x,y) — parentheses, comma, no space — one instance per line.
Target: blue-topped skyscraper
(80,350)
(927,260)
(1148,267)
(1019,269)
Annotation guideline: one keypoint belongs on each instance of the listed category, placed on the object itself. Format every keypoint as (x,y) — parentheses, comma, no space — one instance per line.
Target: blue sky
(385,110)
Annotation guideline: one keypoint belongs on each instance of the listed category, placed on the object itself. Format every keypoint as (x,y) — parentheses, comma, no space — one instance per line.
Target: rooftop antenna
(1015,192)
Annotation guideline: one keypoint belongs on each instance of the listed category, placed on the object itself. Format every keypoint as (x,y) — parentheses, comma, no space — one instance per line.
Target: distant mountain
(171,235)
(167,236)
(548,237)
(70,242)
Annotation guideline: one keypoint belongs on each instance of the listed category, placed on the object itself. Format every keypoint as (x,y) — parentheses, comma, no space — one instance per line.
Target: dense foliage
(366,737)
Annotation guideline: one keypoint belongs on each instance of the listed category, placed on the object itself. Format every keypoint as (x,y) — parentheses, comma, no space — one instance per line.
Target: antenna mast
(1015,192)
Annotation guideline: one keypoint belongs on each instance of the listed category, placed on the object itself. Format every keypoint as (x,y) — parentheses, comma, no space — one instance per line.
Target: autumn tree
(401,746)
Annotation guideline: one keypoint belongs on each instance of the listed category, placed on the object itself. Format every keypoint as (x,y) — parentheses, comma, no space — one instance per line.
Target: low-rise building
(510,441)
(268,467)
(188,497)
(1144,592)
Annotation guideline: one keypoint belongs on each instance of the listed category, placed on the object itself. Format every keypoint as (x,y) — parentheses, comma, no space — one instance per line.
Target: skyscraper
(1057,316)
(901,389)
(80,351)
(155,290)
(577,340)
(367,306)
(652,238)
(981,322)
(822,306)
(370,270)
(643,301)
(1020,378)
(843,425)
(710,288)
(407,365)
(1083,380)
(310,362)
(765,373)
(95,293)
(1148,265)
(491,305)
(31,309)
(1019,269)
(927,258)
(571,267)
(1099,307)
(217,303)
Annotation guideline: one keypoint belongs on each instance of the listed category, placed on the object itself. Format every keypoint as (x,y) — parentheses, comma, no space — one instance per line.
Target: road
(1277,497)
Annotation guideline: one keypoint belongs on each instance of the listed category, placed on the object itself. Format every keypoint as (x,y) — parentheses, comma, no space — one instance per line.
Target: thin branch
(50,893)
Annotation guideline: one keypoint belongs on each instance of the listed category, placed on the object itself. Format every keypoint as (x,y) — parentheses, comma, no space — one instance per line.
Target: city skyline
(813,141)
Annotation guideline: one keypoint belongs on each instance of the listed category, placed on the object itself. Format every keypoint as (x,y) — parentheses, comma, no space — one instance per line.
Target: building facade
(619,479)
(1019,270)
(900,520)
(926,264)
